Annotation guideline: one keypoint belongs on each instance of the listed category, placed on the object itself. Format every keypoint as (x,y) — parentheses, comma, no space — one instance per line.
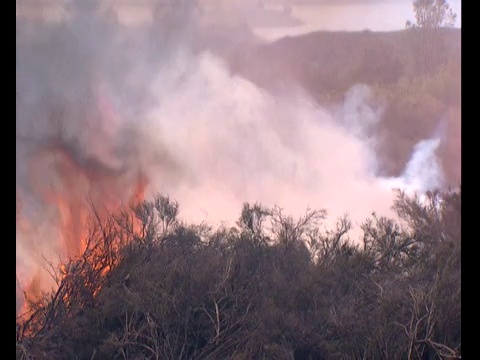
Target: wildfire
(71,181)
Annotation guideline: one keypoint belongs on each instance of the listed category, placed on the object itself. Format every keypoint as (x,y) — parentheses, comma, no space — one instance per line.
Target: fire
(78,181)
(29,282)
(34,290)
(69,203)
(139,193)
(21,222)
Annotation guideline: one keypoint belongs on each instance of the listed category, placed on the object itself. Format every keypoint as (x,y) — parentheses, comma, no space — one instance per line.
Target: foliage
(415,73)
(274,287)
(432,14)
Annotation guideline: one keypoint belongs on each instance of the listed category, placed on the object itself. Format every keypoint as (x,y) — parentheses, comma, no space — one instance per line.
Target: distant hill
(330,62)
(420,84)
(271,16)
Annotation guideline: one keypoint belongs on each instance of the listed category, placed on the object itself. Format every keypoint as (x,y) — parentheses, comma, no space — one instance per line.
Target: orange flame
(74,181)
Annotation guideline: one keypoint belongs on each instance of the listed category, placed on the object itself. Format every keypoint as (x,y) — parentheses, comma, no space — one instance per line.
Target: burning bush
(150,286)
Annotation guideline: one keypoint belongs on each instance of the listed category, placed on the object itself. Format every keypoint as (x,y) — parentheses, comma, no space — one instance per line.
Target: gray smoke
(117,102)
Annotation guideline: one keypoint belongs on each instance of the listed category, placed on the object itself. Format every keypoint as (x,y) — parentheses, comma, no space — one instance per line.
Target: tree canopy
(432,14)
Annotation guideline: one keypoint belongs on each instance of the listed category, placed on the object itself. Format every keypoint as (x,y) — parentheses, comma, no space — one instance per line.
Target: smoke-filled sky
(104,111)
(347,15)
(302,15)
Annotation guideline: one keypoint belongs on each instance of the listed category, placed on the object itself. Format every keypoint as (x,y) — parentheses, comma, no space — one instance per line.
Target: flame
(79,180)
(34,289)
(22,222)
(28,284)
(72,212)
(139,192)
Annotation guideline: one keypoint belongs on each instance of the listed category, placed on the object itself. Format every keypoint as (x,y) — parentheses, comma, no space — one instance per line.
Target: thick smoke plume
(107,115)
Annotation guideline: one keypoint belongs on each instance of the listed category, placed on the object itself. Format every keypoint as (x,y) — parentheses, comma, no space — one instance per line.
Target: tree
(430,16)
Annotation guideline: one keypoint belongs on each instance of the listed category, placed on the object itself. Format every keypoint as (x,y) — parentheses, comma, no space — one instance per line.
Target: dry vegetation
(272,287)
(420,88)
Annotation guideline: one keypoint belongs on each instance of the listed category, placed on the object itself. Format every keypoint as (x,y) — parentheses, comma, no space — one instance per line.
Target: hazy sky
(335,15)
(366,2)
(350,15)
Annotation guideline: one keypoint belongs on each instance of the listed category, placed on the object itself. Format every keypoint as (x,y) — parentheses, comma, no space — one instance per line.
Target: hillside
(421,86)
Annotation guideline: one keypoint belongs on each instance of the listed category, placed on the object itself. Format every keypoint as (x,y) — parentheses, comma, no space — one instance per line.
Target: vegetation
(149,286)
(432,14)
(415,79)
(272,287)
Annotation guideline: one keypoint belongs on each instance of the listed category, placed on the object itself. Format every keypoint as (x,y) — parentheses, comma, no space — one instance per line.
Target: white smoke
(210,139)
(239,143)
(423,171)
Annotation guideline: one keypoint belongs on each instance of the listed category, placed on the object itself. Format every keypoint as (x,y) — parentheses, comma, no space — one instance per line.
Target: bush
(273,287)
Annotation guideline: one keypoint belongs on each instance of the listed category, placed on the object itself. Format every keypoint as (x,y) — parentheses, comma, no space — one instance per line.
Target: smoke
(106,113)
(241,143)
(423,171)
